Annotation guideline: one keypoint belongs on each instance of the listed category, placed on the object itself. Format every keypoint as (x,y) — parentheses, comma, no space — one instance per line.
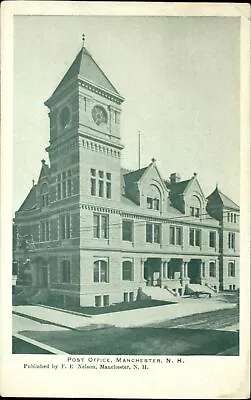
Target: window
(127,227)
(231,269)
(195,212)
(65,226)
(100,271)
(131,296)
(68,183)
(108,185)
(64,185)
(104,184)
(235,218)
(66,271)
(44,195)
(100,226)
(152,204)
(153,233)
(127,271)
(212,239)
(106,300)
(194,237)
(97,301)
(231,240)
(175,235)
(93,182)
(44,231)
(212,269)
(195,206)
(126,297)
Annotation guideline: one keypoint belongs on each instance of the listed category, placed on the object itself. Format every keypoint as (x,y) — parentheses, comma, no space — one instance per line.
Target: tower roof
(225,201)
(85,68)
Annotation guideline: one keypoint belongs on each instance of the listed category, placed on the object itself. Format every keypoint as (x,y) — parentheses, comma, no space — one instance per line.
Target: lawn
(144,341)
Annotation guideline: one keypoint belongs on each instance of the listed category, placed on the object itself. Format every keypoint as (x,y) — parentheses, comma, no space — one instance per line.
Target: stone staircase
(157,293)
(193,288)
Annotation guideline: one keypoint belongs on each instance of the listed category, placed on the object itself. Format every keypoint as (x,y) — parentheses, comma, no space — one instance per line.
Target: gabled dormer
(146,187)
(187,196)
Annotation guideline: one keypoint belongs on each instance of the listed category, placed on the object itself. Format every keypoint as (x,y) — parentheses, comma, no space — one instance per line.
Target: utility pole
(139,149)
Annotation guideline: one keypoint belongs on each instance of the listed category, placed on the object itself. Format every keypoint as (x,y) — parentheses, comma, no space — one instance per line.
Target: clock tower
(84,112)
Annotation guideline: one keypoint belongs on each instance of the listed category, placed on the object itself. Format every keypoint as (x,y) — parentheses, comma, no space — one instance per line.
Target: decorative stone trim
(93,146)
(87,85)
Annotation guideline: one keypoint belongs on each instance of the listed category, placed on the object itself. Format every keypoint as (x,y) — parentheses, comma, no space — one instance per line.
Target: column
(182,270)
(142,265)
(161,272)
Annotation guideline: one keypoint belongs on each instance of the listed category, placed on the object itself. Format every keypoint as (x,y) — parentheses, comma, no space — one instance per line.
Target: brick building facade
(92,233)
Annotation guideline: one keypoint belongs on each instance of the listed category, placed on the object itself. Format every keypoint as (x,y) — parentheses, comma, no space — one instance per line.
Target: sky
(179,77)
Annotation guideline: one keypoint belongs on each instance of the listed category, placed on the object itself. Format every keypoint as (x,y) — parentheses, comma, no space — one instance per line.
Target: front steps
(157,293)
(193,288)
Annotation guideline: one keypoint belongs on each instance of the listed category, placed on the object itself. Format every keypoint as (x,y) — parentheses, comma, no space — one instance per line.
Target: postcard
(125,200)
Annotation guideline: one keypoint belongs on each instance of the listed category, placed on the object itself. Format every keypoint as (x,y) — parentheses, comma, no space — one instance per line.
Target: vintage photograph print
(126,185)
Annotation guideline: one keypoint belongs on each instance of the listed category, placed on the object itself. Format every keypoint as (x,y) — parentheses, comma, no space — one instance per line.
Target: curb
(39,344)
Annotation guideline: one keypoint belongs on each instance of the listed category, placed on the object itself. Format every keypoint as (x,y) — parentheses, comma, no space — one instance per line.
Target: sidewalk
(129,318)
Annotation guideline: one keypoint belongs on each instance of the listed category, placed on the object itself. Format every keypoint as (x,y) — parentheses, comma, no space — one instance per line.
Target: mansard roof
(220,198)
(84,67)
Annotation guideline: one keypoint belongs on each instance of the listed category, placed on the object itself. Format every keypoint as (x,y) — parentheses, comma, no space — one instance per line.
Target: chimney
(175,177)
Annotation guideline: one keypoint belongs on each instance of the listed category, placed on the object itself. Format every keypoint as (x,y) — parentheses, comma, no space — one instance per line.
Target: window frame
(124,232)
(194,237)
(130,272)
(151,234)
(65,270)
(100,276)
(101,229)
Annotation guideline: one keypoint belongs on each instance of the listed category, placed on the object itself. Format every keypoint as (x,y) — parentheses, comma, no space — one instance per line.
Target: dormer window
(195,207)
(44,195)
(153,198)
(152,204)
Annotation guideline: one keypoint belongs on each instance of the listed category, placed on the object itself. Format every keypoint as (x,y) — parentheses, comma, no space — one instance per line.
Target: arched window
(195,207)
(127,270)
(231,269)
(44,192)
(153,198)
(100,271)
(212,269)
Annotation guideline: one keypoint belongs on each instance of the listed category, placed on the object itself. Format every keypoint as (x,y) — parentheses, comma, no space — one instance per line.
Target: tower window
(100,226)
(104,188)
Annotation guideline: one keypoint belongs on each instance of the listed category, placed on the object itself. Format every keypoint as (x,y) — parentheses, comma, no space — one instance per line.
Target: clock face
(99,115)
(65,117)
